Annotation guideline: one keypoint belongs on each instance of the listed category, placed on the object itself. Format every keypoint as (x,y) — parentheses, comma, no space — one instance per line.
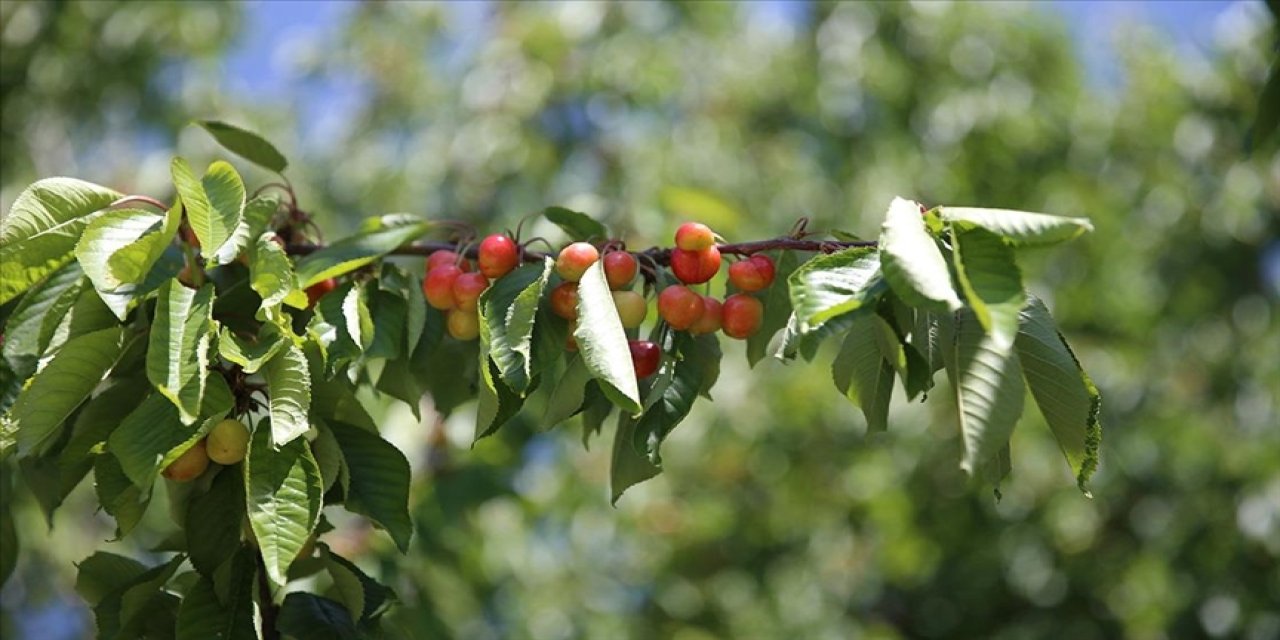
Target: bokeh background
(777,516)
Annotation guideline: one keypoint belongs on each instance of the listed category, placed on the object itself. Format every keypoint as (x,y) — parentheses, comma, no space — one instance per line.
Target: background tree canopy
(777,515)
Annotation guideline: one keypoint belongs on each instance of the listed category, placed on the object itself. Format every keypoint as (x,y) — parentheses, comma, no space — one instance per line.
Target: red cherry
(438,286)
(645,357)
(564,300)
(498,255)
(694,267)
(320,290)
(679,306)
(619,269)
(709,322)
(752,274)
(442,258)
(467,288)
(574,260)
(694,236)
(742,315)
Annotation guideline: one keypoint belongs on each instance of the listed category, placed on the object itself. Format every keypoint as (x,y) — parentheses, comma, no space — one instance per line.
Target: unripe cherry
(441,258)
(695,267)
(619,269)
(498,255)
(564,300)
(320,290)
(645,357)
(741,315)
(463,325)
(467,288)
(631,308)
(189,465)
(574,260)
(438,286)
(679,306)
(694,236)
(752,274)
(227,442)
(709,322)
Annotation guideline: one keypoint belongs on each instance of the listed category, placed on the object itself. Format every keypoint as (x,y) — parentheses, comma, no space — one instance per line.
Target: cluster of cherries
(452,286)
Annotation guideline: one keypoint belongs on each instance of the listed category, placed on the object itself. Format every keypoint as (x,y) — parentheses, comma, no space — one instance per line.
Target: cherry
(645,357)
(467,288)
(189,235)
(574,260)
(694,236)
(441,258)
(631,308)
(463,325)
(709,322)
(564,300)
(498,255)
(619,269)
(187,276)
(752,274)
(742,315)
(189,465)
(320,290)
(227,442)
(679,306)
(694,267)
(438,286)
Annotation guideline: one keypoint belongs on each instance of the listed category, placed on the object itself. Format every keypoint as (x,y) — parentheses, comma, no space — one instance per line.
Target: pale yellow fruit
(228,441)
(189,465)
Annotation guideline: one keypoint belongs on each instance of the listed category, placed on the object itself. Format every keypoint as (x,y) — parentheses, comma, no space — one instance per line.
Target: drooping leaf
(61,386)
(289,387)
(283,494)
(861,372)
(214,521)
(834,284)
(203,615)
(911,261)
(989,392)
(570,391)
(140,608)
(214,203)
(365,598)
(629,464)
(246,144)
(508,308)
(991,280)
(252,354)
(602,341)
(304,615)
(29,329)
(178,353)
(579,226)
(777,307)
(118,495)
(1020,227)
(1067,397)
(104,573)
(387,311)
(351,253)
(39,233)
(119,246)
(379,483)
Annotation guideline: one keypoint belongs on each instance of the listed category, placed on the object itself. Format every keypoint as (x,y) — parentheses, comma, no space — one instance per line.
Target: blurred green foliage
(776,516)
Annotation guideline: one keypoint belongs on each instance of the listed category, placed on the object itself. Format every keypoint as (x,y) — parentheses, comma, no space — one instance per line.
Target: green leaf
(1020,227)
(304,615)
(579,226)
(29,329)
(203,615)
(39,233)
(861,372)
(388,315)
(256,220)
(379,482)
(356,319)
(132,263)
(777,307)
(122,299)
(118,496)
(570,391)
(991,280)
(629,464)
(104,573)
(251,355)
(152,436)
(365,598)
(603,342)
(271,276)
(140,608)
(509,307)
(989,392)
(1067,397)
(835,284)
(246,144)
(283,493)
(912,262)
(119,247)
(351,253)
(289,387)
(672,399)
(61,386)
(178,351)
(214,204)
(595,410)
(214,521)
(8,533)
